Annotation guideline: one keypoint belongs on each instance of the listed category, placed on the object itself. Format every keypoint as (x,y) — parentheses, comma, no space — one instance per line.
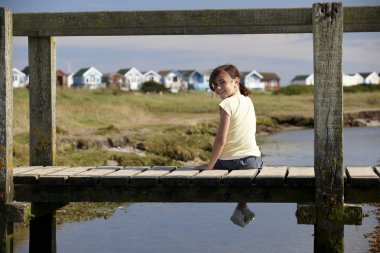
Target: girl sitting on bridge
(235,143)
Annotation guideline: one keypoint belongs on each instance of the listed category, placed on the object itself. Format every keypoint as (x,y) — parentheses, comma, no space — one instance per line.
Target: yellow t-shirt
(241,140)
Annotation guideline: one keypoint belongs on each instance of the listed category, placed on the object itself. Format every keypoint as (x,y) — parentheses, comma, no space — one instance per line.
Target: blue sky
(286,54)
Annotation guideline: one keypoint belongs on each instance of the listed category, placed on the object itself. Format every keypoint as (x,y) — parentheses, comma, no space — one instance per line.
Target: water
(195,227)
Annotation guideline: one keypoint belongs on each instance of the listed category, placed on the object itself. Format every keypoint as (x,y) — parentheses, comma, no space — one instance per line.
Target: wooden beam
(220,193)
(328,127)
(18,212)
(42,85)
(42,89)
(6,121)
(361,19)
(306,214)
(182,22)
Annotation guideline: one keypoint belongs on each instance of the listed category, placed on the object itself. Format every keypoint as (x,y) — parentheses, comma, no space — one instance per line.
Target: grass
(170,128)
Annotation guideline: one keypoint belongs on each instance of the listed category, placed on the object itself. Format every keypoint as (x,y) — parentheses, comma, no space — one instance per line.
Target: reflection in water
(194,227)
(21,239)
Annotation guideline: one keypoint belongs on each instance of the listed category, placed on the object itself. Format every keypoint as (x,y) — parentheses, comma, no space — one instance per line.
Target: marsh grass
(170,128)
(111,129)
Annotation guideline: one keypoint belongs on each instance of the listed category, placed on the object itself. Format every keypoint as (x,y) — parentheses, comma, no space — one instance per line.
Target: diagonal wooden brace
(306,214)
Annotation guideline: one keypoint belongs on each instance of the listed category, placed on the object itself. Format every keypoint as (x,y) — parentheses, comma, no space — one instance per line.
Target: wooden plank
(148,178)
(361,19)
(110,167)
(89,177)
(32,176)
(186,168)
(181,22)
(120,177)
(6,107)
(271,176)
(359,195)
(362,176)
(142,168)
(22,169)
(61,177)
(179,178)
(160,193)
(209,178)
(306,214)
(6,129)
(164,168)
(42,90)
(186,22)
(42,96)
(241,177)
(301,177)
(328,127)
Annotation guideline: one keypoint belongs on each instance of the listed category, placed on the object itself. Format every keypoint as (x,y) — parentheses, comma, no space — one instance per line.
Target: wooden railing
(328,212)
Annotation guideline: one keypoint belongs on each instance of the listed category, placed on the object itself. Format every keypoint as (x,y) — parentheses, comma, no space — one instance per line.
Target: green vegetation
(171,129)
(362,88)
(111,129)
(153,86)
(303,89)
(295,90)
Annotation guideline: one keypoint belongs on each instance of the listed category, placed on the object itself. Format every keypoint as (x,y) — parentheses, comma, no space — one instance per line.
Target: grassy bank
(167,129)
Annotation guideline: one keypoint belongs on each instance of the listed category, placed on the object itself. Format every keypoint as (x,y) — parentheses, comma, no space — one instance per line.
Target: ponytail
(243,90)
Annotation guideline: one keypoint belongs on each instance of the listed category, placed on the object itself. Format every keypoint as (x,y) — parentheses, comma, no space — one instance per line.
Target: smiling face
(225,86)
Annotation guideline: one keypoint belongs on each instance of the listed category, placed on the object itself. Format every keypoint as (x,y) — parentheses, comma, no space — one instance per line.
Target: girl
(235,143)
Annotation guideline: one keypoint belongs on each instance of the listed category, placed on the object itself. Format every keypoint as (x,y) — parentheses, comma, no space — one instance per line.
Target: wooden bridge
(275,184)
(321,190)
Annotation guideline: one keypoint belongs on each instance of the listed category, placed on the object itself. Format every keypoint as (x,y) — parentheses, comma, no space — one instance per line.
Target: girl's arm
(220,138)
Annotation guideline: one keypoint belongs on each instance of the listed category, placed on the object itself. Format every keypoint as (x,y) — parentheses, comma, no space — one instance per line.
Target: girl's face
(225,86)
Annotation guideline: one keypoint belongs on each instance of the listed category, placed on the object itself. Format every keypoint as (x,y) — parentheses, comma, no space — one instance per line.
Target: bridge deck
(184,184)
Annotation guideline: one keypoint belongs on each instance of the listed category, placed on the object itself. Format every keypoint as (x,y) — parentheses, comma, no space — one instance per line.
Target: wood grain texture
(22,169)
(60,177)
(186,22)
(32,176)
(42,90)
(181,22)
(6,127)
(6,106)
(328,127)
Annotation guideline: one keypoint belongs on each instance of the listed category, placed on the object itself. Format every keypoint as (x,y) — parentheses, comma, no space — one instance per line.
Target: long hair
(233,72)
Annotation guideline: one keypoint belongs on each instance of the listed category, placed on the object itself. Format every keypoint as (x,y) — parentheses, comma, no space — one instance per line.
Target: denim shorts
(249,162)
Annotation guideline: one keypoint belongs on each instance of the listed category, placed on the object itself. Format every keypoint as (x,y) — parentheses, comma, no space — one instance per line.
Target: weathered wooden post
(42,88)
(328,131)
(6,118)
